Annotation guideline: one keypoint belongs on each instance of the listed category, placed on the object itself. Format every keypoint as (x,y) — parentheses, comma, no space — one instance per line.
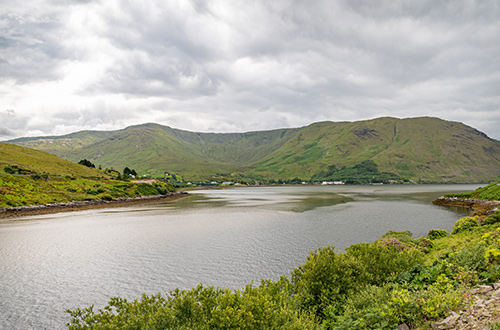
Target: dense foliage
(436,233)
(365,172)
(489,192)
(87,163)
(267,306)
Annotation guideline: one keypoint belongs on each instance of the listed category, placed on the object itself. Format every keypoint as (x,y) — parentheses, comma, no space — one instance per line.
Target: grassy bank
(395,280)
(32,177)
(23,190)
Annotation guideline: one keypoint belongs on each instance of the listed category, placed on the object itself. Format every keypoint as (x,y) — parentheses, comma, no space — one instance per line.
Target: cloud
(247,65)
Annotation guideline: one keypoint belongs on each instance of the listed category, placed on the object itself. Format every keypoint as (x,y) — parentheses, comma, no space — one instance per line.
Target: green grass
(42,162)
(20,190)
(489,192)
(32,177)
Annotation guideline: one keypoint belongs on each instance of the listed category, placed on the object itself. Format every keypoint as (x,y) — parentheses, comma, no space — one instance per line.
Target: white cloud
(245,65)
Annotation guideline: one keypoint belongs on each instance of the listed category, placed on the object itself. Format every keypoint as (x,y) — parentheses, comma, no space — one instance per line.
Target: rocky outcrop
(485,206)
(483,313)
(81,205)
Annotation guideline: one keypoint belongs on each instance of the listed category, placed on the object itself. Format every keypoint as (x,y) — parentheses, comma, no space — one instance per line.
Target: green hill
(40,162)
(33,177)
(418,149)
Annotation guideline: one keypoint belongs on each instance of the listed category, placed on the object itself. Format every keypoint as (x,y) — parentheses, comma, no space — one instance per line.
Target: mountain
(420,149)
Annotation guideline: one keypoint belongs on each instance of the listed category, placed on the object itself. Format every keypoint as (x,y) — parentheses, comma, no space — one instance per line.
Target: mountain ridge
(422,149)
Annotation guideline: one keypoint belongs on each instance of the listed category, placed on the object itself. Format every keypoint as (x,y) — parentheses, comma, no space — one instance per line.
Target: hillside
(33,177)
(42,162)
(418,149)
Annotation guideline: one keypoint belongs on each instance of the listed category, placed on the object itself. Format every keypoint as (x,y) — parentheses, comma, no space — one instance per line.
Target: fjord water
(222,237)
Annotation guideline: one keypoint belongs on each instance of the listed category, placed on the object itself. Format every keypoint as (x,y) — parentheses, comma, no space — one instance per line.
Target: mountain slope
(156,149)
(421,149)
(60,144)
(427,149)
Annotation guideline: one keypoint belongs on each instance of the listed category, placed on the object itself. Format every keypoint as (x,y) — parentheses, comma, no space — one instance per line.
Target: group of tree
(87,163)
(361,173)
(126,175)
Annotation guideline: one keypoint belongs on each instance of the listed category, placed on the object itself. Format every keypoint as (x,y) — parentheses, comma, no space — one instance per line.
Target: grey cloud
(5,132)
(30,47)
(218,65)
(12,124)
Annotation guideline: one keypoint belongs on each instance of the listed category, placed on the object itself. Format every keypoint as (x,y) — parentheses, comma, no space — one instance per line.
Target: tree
(127,173)
(87,163)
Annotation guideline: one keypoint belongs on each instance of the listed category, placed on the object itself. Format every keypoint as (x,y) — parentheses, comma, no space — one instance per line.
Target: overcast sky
(233,66)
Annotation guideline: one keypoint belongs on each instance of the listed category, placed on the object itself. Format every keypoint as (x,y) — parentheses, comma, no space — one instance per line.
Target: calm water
(225,238)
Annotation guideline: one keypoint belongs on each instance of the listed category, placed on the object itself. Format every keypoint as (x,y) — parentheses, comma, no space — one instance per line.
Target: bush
(471,258)
(436,233)
(403,236)
(385,259)
(425,244)
(144,189)
(363,311)
(492,218)
(11,169)
(107,197)
(464,224)
(203,308)
(326,280)
(87,163)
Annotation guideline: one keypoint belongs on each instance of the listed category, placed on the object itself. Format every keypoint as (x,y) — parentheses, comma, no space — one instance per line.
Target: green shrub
(491,191)
(363,311)
(203,308)
(163,188)
(385,259)
(464,224)
(11,169)
(492,218)
(425,244)
(326,279)
(436,233)
(471,258)
(402,236)
(144,189)
(107,197)
(87,163)
(462,195)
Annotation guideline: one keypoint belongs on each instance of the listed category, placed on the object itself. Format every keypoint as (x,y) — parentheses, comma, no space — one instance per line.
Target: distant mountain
(419,149)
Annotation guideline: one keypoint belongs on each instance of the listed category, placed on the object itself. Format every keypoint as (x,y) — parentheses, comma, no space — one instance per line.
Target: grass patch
(16,190)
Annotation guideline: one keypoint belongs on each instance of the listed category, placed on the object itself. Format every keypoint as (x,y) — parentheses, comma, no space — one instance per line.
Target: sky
(237,66)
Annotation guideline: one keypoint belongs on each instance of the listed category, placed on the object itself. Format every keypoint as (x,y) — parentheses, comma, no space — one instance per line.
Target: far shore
(86,205)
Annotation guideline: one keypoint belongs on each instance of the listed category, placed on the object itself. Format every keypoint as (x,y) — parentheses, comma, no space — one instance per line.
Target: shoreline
(483,206)
(20,211)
